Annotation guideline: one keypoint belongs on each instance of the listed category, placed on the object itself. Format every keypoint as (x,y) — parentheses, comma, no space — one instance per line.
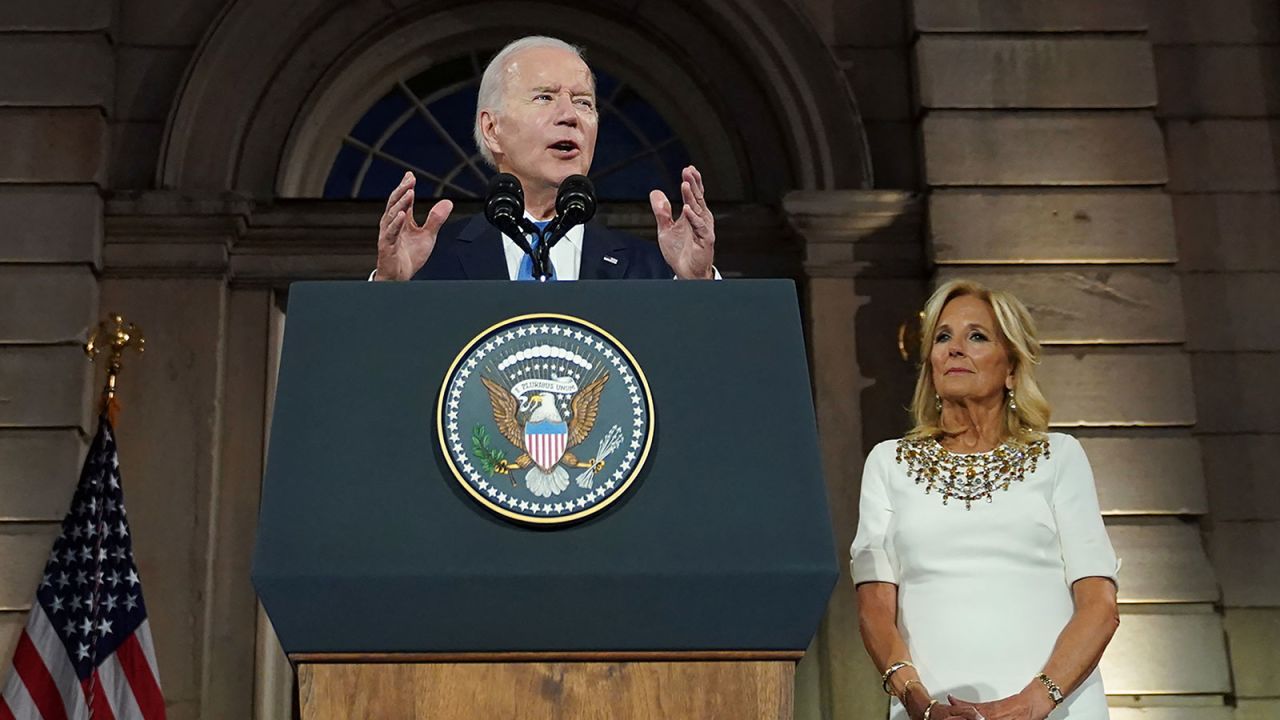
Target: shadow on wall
(894,289)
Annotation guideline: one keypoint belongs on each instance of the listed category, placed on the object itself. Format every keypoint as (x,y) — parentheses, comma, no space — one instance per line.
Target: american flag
(86,651)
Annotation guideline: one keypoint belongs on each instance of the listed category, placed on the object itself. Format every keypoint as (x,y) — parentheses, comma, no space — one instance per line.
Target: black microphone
(575,205)
(504,209)
(503,200)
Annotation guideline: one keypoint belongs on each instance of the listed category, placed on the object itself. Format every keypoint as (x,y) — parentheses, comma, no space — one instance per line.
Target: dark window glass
(424,124)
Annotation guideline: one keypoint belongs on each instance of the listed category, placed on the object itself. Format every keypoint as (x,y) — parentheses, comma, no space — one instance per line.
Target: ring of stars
(552,347)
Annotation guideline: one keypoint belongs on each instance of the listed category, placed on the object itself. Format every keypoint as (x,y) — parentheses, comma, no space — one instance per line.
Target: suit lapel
(604,254)
(480,251)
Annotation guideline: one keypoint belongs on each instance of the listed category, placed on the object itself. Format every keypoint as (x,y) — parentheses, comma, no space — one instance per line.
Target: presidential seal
(545,418)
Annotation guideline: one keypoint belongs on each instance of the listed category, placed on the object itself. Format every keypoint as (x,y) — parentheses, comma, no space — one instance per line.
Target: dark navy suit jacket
(471,249)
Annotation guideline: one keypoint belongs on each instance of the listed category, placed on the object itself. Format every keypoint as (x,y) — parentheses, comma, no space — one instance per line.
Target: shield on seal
(545,442)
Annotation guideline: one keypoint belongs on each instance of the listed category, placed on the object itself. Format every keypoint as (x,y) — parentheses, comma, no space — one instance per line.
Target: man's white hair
(493,82)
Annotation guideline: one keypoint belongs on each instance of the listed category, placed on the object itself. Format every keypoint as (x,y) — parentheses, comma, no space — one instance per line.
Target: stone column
(55,86)
(1219,74)
(863,263)
(1046,175)
(191,439)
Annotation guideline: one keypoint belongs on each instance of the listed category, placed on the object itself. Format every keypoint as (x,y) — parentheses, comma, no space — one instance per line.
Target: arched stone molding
(749,84)
(343,96)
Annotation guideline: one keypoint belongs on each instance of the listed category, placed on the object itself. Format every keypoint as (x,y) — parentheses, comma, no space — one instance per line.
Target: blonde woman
(985,578)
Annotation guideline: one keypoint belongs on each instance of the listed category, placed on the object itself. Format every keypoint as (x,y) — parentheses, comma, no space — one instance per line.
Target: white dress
(983,593)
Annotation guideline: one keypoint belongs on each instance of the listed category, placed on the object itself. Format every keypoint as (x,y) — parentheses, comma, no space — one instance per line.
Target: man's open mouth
(566,148)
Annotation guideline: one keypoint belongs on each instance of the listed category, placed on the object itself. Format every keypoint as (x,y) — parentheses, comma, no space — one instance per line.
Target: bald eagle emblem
(529,416)
(545,418)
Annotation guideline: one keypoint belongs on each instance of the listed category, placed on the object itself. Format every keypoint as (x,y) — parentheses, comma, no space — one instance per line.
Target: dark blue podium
(391,587)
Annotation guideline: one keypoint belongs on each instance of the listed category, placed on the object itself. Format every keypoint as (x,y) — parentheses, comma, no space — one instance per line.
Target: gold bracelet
(895,667)
(928,710)
(1055,692)
(907,688)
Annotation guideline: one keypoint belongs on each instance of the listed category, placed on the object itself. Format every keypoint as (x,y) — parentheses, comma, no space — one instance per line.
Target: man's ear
(489,131)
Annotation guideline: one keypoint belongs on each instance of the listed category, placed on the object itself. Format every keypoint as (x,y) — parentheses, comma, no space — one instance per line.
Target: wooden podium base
(600,689)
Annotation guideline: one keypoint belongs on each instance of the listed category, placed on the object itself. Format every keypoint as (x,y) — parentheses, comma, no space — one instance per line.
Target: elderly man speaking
(536,119)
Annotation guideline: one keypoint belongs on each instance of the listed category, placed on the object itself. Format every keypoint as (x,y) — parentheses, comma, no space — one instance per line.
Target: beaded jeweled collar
(968,477)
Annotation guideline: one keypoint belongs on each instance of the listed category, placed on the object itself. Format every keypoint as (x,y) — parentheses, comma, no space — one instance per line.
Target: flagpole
(113,336)
(101,663)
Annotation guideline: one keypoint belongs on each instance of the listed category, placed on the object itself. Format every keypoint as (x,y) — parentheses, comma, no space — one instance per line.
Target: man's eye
(542,96)
(586,102)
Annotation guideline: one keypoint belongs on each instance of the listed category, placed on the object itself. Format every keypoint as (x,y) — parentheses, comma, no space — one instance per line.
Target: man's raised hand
(404,245)
(687,243)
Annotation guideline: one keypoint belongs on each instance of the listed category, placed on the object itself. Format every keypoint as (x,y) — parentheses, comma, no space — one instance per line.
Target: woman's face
(969,358)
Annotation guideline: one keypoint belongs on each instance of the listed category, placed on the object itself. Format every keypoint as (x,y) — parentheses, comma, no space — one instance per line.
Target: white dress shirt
(566,254)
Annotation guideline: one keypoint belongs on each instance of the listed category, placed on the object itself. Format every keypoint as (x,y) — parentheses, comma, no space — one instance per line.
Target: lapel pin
(611,259)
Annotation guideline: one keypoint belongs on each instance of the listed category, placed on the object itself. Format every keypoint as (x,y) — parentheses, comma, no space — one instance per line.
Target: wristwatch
(1055,692)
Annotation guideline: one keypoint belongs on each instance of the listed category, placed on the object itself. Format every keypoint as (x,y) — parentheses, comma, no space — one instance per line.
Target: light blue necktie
(526,264)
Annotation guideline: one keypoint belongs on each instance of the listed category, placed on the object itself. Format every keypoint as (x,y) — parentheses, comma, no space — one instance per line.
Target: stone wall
(1047,173)
(56,71)
(1218,66)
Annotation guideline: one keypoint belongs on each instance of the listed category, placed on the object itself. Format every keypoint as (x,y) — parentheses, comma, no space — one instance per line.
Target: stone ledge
(1223,156)
(1163,562)
(1232,312)
(1091,303)
(1046,226)
(1139,475)
(1043,148)
(1244,555)
(47,303)
(41,469)
(1029,15)
(56,70)
(1052,72)
(1238,392)
(51,224)
(1206,81)
(1207,707)
(1195,22)
(1167,654)
(46,386)
(1255,650)
(24,549)
(1227,232)
(1240,474)
(1092,386)
(68,15)
(63,145)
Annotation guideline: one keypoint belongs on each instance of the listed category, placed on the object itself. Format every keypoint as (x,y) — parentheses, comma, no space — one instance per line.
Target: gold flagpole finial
(113,336)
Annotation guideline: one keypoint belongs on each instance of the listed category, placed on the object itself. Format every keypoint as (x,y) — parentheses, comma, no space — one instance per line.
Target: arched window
(424,124)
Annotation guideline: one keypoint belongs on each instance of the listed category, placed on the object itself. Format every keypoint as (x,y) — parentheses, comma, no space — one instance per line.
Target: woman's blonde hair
(1017,331)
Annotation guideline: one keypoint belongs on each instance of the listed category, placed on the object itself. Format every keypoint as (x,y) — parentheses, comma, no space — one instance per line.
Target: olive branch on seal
(489,458)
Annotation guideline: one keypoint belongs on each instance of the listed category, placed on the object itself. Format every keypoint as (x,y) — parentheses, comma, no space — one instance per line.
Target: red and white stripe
(44,686)
(546,449)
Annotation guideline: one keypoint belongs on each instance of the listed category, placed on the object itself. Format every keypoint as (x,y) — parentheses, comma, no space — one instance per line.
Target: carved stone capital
(170,234)
(858,233)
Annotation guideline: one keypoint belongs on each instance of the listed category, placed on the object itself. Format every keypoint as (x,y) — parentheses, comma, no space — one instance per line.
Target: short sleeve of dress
(871,557)
(1086,548)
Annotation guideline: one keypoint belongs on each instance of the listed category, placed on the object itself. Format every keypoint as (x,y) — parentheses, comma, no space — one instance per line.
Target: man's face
(546,128)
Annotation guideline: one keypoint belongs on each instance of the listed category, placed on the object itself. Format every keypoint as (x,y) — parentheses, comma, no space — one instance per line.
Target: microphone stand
(540,258)
(516,229)
(549,236)
(575,204)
